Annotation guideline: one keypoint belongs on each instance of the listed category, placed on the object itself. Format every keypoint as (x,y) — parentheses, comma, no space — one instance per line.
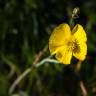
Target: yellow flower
(64,43)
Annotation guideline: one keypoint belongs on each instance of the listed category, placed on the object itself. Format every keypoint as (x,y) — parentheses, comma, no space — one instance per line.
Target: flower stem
(83,89)
(74,15)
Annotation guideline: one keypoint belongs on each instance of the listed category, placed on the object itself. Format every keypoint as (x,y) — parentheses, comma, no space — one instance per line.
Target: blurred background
(25,28)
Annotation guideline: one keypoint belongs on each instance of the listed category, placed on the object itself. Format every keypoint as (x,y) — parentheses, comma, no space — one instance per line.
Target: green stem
(27,71)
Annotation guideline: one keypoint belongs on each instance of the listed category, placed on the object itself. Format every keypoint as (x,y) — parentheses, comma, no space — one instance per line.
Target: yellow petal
(81,55)
(60,35)
(63,55)
(79,33)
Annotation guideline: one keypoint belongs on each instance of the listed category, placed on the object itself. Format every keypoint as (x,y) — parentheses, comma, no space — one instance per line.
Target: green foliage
(25,26)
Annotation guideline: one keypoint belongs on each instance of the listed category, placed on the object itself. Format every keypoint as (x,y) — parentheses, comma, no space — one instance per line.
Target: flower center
(73,46)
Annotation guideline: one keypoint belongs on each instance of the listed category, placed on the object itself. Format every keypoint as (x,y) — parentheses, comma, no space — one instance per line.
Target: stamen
(73,46)
(76,48)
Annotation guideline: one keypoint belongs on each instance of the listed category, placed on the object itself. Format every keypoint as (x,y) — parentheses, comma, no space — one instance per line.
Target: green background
(25,28)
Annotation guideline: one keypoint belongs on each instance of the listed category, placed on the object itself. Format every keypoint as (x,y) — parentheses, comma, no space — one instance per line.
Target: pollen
(73,46)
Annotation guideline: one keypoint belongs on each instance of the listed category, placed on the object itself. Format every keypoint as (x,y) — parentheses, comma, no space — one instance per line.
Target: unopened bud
(76,12)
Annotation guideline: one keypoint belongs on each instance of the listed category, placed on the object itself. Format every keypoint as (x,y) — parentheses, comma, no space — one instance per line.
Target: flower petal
(81,55)
(61,34)
(63,55)
(79,33)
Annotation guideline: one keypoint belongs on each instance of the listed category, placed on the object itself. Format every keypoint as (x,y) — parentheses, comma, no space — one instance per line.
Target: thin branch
(27,71)
(39,55)
(83,89)
(78,66)
(82,86)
